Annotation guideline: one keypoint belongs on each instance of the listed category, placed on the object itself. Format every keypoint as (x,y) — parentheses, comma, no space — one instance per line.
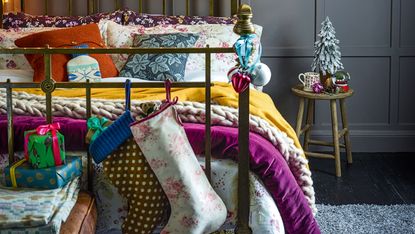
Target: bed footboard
(48,85)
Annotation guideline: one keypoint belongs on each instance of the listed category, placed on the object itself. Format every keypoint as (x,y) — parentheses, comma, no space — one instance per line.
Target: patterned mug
(308,80)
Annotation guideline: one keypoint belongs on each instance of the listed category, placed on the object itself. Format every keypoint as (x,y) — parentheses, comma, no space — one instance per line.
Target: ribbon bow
(97,126)
(244,47)
(43,130)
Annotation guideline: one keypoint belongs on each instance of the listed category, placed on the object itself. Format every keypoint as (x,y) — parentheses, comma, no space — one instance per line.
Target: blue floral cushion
(159,67)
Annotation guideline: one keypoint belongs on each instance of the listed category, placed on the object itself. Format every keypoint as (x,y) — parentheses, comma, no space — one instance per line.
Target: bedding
(87,34)
(265,120)
(23,20)
(159,67)
(268,164)
(214,35)
(149,20)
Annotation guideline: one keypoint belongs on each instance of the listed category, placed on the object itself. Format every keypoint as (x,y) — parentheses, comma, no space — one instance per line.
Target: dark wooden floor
(375,178)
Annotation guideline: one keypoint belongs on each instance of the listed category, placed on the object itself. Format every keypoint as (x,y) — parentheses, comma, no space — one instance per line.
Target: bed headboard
(93,6)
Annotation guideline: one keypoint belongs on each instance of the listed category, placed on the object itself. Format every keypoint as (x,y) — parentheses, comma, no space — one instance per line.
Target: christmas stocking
(195,206)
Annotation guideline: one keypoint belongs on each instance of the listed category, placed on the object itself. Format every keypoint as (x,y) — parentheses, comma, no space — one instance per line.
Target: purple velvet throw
(266,161)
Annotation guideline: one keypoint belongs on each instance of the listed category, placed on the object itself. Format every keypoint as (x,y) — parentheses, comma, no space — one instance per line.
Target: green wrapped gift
(21,174)
(45,146)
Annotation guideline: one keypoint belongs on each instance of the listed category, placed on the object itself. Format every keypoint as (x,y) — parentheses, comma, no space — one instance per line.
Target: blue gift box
(47,178)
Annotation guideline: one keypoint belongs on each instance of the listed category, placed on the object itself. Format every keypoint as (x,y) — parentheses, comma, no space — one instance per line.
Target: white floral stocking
(195,206)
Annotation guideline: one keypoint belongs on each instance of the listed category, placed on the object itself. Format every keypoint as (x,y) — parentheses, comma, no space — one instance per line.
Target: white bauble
(261,75)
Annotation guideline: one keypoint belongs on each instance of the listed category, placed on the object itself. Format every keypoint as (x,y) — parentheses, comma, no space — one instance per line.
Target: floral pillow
(23,20)
(148,20)
(215,35)
(118,36)
(159,66)
(7,39)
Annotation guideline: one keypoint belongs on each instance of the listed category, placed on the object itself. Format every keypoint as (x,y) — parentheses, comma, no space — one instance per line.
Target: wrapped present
(45,146)
(21,174)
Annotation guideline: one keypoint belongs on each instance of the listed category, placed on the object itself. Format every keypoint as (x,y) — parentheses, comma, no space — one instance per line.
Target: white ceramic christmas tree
(327,54)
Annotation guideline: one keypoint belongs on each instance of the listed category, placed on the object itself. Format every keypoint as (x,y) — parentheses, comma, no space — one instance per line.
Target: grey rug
(354,219)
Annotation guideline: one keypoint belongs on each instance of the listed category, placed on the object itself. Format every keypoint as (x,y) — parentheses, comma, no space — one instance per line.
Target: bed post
(234,6)
(243,26)
(1,11)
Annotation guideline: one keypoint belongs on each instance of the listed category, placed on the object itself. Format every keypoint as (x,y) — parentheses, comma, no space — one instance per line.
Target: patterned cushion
(129,171)
(118,36)
(68,37)
(148,20)
(23,20)
(159,66)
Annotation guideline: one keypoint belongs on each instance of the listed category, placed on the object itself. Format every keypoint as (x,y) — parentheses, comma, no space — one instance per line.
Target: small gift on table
(45,146)
(21,174)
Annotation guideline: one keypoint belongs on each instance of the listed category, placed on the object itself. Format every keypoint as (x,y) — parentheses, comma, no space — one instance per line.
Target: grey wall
(377,39)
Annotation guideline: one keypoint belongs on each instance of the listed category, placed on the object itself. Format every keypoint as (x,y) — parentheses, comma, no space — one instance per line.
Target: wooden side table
(337,134)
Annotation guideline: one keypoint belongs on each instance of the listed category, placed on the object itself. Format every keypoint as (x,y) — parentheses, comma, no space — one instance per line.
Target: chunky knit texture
(193,112)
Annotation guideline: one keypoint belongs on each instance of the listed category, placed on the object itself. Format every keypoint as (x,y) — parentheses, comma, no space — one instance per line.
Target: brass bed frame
(48,85)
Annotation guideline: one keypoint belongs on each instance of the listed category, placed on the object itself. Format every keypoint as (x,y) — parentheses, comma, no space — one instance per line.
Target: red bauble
(240,81)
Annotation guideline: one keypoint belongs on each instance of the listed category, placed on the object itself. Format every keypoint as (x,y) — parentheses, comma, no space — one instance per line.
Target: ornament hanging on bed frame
(249,68)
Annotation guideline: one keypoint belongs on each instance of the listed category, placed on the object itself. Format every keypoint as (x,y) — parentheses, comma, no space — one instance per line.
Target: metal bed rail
(48,85)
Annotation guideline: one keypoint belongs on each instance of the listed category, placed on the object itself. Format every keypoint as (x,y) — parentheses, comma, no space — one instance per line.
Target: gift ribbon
(42,130)
(98,125)
(244,47)
(13,172)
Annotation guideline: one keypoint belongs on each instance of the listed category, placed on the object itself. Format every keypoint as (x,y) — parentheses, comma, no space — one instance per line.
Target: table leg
(309,121)
(346,135)
(300,117)
(335,130)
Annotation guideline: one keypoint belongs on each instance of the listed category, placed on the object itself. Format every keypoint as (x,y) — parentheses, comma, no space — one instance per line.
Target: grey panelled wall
(377,39)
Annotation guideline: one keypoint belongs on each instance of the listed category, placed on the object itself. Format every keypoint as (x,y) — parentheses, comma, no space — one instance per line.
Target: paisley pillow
(159,66)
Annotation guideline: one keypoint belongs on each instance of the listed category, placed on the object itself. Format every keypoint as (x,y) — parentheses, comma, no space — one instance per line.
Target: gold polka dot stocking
(130,173)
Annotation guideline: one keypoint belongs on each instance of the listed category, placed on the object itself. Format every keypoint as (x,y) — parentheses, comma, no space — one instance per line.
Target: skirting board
(372,141)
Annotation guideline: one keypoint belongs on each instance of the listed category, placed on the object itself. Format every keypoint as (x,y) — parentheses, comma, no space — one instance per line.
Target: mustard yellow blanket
(260,104)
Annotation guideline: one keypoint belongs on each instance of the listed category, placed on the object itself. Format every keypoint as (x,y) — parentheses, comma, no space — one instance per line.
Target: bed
(245,146)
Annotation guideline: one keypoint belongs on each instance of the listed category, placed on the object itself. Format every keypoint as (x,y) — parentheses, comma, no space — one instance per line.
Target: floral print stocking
(195,206)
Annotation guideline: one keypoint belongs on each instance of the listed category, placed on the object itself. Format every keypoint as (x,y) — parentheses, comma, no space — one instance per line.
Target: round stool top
(298,91)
